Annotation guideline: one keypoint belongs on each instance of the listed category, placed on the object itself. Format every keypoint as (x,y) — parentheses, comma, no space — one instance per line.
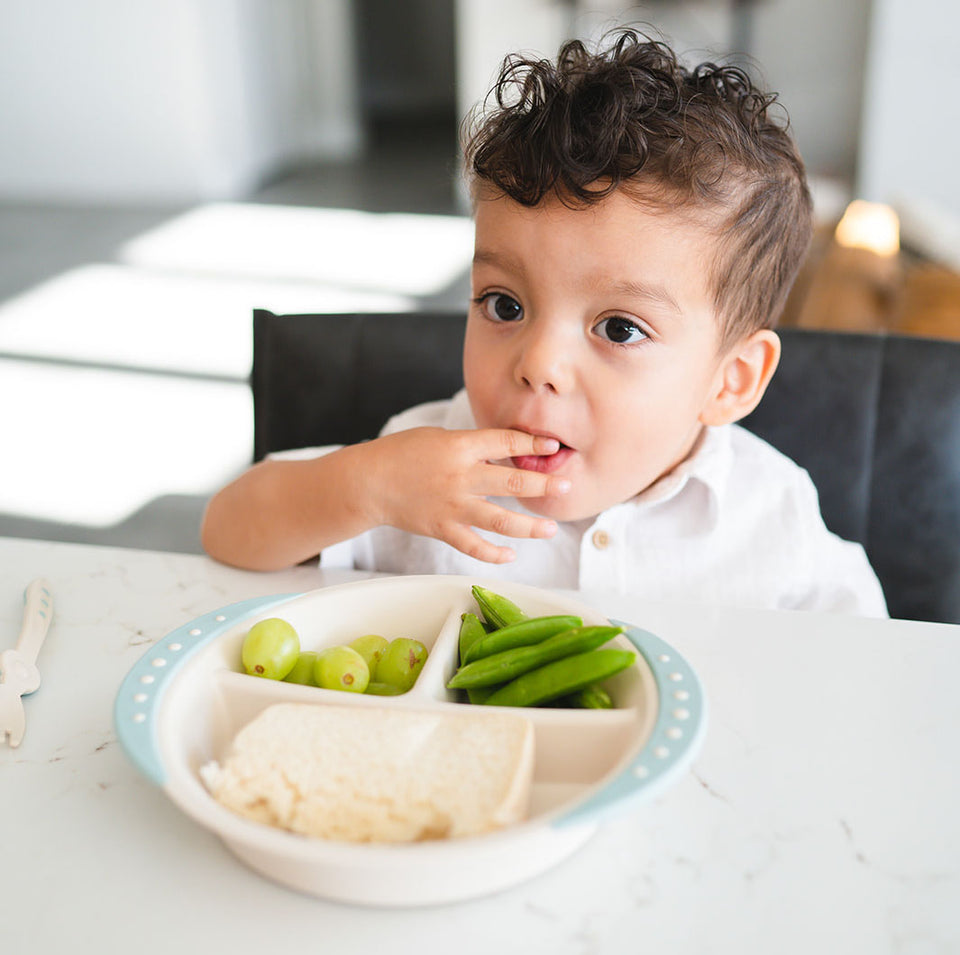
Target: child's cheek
(480,403)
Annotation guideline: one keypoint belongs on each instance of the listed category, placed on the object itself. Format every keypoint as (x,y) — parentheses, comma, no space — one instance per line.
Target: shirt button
(601,540)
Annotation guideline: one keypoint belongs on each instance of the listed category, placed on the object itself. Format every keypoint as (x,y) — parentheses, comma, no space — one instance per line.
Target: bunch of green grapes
(368,664)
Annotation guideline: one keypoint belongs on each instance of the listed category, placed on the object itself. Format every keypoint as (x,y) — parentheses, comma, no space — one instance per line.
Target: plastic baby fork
(18,667)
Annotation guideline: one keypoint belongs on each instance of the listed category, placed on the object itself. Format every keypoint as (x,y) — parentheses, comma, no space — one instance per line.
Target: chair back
(336,379)
(875,420)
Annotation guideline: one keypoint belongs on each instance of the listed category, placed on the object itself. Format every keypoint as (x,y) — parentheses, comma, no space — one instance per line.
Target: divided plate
(183,702)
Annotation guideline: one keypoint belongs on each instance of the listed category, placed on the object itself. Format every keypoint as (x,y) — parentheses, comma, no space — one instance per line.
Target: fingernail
(549,445)
(563,486)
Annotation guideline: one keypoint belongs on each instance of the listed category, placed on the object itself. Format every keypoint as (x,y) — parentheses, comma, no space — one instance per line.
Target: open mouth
(545,463)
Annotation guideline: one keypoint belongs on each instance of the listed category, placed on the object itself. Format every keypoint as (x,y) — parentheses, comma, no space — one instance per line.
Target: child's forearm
(280,513)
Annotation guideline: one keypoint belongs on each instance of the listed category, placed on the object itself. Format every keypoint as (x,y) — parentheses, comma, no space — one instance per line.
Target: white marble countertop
(820,816)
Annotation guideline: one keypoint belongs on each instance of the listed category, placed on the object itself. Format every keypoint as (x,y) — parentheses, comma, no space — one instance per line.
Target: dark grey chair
(875,419)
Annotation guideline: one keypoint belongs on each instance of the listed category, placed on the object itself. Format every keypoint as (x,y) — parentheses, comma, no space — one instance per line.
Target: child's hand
(435,482)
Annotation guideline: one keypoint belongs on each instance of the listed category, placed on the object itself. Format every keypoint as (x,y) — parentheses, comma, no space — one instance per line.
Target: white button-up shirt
(736,523)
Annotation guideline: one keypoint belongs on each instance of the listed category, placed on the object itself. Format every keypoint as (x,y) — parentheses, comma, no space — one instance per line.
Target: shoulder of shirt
(841,578)
(732,460)
(752,449)
(761,465)
(453,413)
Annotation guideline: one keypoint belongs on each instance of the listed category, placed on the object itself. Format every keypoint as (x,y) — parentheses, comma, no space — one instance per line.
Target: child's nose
(545,361)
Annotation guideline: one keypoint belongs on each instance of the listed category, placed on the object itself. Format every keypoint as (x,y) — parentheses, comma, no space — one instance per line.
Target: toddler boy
(638,227)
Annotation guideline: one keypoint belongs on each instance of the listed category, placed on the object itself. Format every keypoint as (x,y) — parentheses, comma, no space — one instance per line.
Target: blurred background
(166,167)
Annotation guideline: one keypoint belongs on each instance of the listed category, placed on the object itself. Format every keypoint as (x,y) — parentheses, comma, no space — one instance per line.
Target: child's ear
(742,378)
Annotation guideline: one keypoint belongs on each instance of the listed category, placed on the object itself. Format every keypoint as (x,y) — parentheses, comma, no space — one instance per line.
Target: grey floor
(39,242)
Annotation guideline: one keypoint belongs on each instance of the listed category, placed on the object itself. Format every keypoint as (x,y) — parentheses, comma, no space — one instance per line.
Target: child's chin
(558,509)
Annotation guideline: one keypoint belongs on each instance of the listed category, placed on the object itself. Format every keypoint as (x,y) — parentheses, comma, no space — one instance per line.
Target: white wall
(810,51)
(910,145)
(178,100)
(813,53)
(168,100)
(487,30)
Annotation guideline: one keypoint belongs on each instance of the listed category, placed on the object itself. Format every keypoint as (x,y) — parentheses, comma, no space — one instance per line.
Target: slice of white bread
(371,774)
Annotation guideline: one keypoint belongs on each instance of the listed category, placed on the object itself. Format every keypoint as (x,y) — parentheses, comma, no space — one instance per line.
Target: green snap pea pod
(589,698)
(561,677)
(502,667)
(497,610)
(520,634)
(471,631)
(479,694)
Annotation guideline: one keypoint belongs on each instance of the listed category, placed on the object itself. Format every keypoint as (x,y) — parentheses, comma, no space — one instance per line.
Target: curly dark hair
(632,117)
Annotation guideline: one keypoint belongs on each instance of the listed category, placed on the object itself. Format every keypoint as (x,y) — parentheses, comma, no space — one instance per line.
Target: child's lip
(545,463)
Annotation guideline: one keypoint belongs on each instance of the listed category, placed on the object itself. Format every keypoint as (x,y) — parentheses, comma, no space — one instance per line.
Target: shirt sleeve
(839,578)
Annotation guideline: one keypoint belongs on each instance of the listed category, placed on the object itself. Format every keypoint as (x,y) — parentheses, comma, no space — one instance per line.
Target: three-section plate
(182,703)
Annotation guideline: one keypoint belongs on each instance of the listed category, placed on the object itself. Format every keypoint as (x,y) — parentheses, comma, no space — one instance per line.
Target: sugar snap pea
(556,679)
(501,667)
(471,631)
(496,609)
(479,694)
(589,698)
(522,634)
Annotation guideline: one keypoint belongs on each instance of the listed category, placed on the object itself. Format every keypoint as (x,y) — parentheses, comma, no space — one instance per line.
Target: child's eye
(620,330)
(500,307)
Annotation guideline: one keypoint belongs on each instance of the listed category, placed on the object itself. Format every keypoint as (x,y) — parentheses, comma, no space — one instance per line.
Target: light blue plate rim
(138,702)
(674,741)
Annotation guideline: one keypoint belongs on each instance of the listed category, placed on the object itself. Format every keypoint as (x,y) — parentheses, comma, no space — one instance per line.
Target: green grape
(302,671)
(382,689)
(401,663)
(341,668)
(371,648)
(270,649)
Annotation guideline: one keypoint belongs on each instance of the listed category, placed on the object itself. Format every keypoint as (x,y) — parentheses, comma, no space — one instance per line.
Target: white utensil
(18,670)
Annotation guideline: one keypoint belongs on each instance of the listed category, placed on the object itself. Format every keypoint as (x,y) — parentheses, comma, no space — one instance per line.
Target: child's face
(594,326)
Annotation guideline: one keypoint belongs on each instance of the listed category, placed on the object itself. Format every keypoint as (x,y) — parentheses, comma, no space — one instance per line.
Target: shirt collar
(708,464)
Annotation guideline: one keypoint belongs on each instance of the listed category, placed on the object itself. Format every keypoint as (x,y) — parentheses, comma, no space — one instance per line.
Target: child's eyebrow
(503,260)
(642,290)
(654,293)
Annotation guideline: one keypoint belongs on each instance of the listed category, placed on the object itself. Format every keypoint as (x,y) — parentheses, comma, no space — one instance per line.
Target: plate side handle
(674,741)
(137,706)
